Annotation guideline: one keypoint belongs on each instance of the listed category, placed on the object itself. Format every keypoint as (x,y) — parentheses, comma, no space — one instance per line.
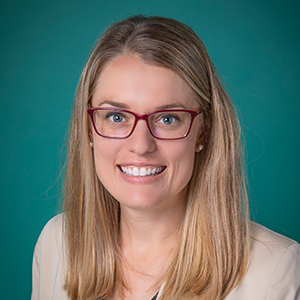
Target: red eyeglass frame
(145,117)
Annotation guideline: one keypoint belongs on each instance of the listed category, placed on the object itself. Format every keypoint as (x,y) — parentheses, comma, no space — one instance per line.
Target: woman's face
(129,83)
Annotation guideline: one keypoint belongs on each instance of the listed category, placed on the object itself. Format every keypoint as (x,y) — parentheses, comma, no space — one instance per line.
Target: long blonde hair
(213,247)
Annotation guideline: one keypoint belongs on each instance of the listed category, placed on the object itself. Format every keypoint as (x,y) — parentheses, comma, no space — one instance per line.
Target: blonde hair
(213,247)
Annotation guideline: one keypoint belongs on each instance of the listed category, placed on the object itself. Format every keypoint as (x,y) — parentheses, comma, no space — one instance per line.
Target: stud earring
(91,144)
(200,147)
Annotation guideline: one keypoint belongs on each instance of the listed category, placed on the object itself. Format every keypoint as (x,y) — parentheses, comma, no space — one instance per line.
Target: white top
(273,274)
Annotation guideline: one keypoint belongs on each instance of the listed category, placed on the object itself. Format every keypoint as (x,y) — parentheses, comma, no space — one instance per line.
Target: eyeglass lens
(119,124)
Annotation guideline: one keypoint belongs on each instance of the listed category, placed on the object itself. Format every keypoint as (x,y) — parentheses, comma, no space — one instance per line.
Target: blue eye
(168,119)
(115,117)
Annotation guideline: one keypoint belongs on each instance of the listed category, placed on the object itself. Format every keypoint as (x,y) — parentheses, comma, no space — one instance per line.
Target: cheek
(104,157)
(182,155)
(187,154)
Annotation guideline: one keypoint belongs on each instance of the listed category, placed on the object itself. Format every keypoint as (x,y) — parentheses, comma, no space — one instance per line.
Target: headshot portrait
(150,150)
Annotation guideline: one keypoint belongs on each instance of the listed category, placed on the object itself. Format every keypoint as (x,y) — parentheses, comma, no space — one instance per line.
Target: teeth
(135,172)
(141,172)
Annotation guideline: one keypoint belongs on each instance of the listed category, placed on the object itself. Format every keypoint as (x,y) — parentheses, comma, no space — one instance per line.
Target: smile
(141,172)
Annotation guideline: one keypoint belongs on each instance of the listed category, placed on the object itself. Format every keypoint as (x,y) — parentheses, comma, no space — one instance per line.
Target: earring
(91,144)
(200,147)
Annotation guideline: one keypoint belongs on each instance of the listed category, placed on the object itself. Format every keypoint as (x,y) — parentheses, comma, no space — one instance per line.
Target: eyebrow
(115,104)
(170,106)
(122,105)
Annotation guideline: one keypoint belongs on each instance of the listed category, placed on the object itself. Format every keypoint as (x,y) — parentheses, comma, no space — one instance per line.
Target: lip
(141,174)
(143,171)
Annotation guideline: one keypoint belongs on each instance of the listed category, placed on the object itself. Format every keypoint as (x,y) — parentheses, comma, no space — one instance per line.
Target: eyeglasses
(163,124)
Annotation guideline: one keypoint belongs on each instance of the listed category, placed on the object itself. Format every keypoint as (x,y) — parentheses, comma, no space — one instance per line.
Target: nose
(141,140)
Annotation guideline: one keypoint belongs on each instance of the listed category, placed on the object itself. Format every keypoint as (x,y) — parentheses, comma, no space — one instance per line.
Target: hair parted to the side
(212,253)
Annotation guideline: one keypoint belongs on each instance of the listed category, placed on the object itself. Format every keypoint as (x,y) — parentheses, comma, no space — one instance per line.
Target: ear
(204,132)
(91,138)
(200,141)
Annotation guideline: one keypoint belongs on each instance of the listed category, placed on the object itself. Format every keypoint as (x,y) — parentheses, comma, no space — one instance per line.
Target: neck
(148,238)
(150,229)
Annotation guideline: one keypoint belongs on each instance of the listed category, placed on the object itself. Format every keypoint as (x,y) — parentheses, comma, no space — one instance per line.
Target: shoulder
(47,262)
(270,246)
(51,236)
(49,245)
(274,267)
(53,226)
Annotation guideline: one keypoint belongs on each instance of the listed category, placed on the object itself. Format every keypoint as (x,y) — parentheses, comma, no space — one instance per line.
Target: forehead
(141,86)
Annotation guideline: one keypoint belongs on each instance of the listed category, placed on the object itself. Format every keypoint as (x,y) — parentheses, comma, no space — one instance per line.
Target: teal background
(44,45)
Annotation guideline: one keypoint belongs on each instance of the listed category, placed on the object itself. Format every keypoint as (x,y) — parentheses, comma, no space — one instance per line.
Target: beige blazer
(273,274)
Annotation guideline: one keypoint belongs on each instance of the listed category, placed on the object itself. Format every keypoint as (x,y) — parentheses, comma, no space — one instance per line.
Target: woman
(155,196)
